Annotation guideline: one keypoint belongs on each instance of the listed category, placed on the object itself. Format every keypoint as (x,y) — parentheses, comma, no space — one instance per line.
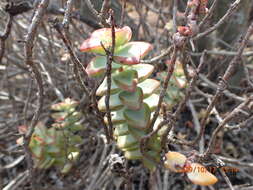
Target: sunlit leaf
(132,100)
(152,101)
(138,118)
(114,103)
(117,117)
(175,161)
(121,129)
(126,141)
(149,86)
(133,155)
(199,175)
(131,53)
(126,80)
(97,66)
(143,70)
(102,89)
(104,36)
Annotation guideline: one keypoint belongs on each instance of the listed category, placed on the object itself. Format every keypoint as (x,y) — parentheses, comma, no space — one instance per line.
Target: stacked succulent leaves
(56,146)
(132,95)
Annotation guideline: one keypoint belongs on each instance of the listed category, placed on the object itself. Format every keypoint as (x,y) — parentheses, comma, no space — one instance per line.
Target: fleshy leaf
(67,167)
(117,117)
(114,104)
(126,80)
(131,53)
(104,36)
(132,100)
(65,105)
(47,163)
(131,148)
(137,133)
(121,129)
(181,81)
(126,141)
(97,66)
(138,118)
(175,161)
(150,164)
(37,150)
(143,70)
(53,149)
(154,143)
(152,101)
(103,88)
(133,155)
(199,175)
(149,86)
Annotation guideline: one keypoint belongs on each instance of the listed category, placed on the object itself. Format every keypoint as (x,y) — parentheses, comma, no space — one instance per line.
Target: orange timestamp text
(212,169)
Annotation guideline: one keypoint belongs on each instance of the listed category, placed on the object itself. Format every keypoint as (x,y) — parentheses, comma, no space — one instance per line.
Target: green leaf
(131,53)
(117,117)
(97,66)
(154,143)
(173,96)
(114,103)
(67,104)
(37,150)
(67,167)
(120,130)
(46,163)
(149,86)
(150,164)
(126,141)
(133,155)
(104,36)
(40,131)
(137,133)
(180,82)
(152,101)
(103,88)
(53,149)
(132,100)
(143,70)
(131,148)
(162,131)
(126,80)
(138,118)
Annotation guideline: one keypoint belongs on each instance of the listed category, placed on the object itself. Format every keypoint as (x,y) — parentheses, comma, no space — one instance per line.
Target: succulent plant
(56,145)
(132,95)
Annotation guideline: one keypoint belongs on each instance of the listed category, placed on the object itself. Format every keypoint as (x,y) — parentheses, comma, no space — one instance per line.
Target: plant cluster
(57,145)
(132,95)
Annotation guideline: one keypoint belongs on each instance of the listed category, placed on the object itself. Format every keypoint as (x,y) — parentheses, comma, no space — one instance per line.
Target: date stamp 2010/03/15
(212,169)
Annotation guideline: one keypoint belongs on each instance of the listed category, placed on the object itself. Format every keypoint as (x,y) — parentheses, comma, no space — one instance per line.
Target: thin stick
(230,116)
(73,56)
(223,82)
(108,76)
(224,175)
(227,15)
(4,36)
(29,44)
(209,14)
(165,86)
(191,85)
